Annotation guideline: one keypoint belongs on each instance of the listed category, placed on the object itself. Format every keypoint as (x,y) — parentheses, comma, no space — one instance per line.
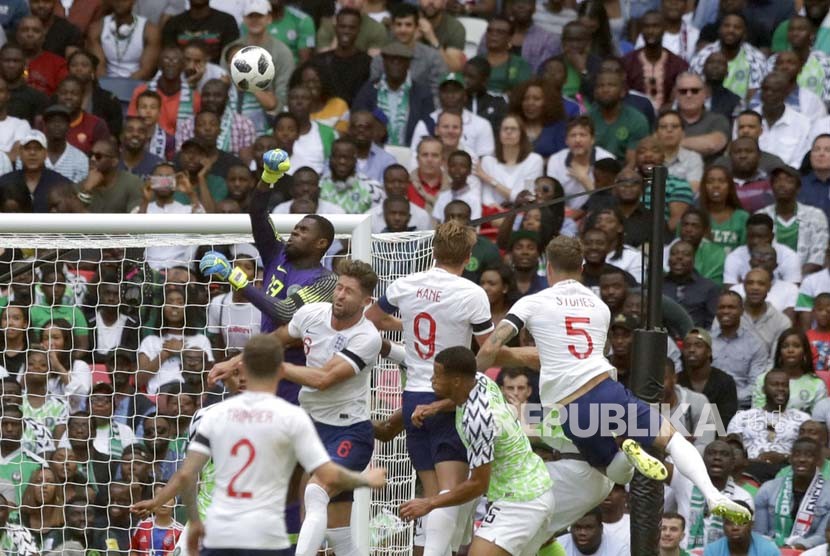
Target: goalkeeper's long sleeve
(283,309)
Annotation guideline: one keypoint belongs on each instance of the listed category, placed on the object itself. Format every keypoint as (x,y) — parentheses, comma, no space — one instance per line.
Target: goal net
(107,315)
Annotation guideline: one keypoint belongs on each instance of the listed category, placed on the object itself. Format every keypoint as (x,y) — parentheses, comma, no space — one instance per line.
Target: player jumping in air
(255,440)
(439,309)
(341,348)
(570,326)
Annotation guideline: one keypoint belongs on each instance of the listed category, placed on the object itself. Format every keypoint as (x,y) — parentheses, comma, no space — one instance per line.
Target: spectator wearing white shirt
(785,132)
(513,169)
(574,167)
(477,132)
(801,99)
(610,220)
(157,198)
(801,226)
(306,185)
(313,144)
(232,319)
(12,130)
(783,295)
(63,158)
(759,231)
(588,536)
(680,36)
(396,183)
(616,523)
(459,168)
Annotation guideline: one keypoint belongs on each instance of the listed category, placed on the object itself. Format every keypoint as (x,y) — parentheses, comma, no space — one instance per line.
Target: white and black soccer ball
(252,69)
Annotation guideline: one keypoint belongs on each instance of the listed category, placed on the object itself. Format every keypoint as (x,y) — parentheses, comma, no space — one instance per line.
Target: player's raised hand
(228,372)
(215,263)
(275,164)
(421,413)
(375,477)
(144,508)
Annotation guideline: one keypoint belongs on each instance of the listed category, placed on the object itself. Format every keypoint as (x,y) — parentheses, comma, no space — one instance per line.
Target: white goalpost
(78,242)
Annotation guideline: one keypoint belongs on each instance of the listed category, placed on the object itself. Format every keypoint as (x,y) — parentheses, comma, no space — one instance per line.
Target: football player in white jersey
(341,348)
(570,325)
(439,309)
(255,440)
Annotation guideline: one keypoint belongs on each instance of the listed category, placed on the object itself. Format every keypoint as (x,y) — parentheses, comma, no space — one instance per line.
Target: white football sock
(440,529)
(313,530)
(620,470)
(689,463)
(340,540)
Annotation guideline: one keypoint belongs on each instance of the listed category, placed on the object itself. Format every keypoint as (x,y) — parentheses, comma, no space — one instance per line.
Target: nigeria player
(293,275)
(438,309)
(255,440)
(341,348)
(570,326)
(502,463)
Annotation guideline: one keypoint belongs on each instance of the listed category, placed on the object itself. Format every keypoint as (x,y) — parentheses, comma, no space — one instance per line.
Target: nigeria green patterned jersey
(207,479)
(492,434)
(51,414)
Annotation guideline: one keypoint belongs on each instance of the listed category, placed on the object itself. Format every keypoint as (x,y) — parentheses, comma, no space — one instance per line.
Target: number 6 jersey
(438,310)
(255,440)
(569,323)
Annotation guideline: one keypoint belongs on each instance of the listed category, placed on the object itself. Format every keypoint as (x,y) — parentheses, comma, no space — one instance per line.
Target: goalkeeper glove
(238,279)
(215,263)
(275,164)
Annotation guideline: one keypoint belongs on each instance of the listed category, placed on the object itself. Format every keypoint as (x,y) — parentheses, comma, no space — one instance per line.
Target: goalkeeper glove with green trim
(275,164)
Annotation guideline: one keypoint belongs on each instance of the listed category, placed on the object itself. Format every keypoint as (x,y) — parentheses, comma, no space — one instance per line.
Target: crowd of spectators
(393,108)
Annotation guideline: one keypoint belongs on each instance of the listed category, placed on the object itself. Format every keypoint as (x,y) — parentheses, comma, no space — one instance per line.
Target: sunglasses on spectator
(690,91)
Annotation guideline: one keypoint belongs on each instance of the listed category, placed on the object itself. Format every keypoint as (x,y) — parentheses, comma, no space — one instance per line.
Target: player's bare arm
(476,485)
(383,320)
(335,371)
(428,410)
(503,333)
(336,478)
(527,356)
(190,470)
(228,371)
(194,520)
(388,428)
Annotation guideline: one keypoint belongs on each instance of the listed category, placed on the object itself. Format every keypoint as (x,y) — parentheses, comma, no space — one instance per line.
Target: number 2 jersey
(438,310)
(346,403)
(569,323)
(255,440)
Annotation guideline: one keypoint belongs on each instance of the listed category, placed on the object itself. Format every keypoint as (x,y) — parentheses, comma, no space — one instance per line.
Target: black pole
(647,371)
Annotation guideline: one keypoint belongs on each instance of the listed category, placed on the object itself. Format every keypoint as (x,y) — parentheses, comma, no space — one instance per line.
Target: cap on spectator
(701,335)
(34,136)
(380,116)
(453,77)
(397,48)
(246,251)
(262,7)
(789,170)
(192,143)
(629,322)
(524,234)
(57,110)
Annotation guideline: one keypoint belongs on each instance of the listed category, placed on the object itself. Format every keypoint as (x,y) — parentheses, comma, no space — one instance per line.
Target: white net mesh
(79,310)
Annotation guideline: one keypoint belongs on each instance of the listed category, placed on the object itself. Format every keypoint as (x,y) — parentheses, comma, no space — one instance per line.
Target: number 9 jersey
(438,310)
(570,324)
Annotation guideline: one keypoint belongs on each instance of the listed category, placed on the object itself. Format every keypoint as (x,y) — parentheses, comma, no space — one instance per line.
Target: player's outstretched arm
(503,333)
(189,471)
(335,371)
(274,165)
(388,428)
(383,320)
(527,356)
(476,485)
(336,478)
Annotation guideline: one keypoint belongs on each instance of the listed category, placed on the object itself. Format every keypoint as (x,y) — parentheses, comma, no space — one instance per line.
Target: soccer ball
(252,69)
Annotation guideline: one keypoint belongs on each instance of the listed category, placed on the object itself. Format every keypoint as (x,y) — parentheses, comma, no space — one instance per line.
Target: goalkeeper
(293,276)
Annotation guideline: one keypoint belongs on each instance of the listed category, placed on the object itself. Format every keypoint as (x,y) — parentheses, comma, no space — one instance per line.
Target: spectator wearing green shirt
(619,127)
(679,196)
(53,286)
(709,256)
(16,463)
(370,38)
(292,27)
(506,68)
(341,184)
(719,198)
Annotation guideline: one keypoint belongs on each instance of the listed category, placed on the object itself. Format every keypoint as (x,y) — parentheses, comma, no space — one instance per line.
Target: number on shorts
(492,513)
(572,330)
(424,344)
(244,443)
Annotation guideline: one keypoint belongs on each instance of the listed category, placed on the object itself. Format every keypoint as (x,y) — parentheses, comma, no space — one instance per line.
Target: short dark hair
(700,213)
(463,154)
(325,227)
(752,113)
(262,356)
(362,272)
(733,293)
(481,64)
(580,121)
(675,515)
(760,219)
(285,116)
(395,166)
(93,59)
(395,199)
(348,11)
(402,10)
(595,513)
(149,94)
(808,441)
(512,372)
(457,360)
